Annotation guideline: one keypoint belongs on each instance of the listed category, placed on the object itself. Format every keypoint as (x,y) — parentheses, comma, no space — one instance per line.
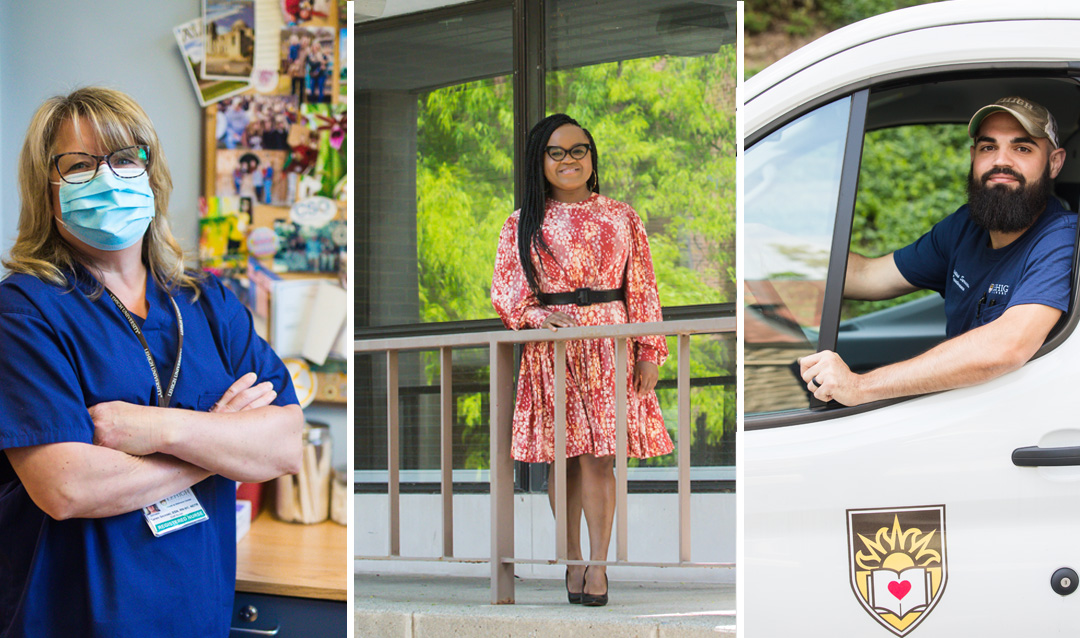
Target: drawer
(286,617)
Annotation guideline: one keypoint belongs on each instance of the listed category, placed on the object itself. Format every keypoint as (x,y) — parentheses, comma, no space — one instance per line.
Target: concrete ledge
(395,606)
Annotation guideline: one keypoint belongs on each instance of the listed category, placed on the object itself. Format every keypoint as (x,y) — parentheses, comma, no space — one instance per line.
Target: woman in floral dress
(567,237)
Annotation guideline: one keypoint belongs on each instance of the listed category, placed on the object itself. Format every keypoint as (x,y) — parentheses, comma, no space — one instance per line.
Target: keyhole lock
(1064,581)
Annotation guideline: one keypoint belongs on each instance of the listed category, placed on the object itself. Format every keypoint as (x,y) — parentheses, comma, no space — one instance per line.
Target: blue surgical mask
(108,212)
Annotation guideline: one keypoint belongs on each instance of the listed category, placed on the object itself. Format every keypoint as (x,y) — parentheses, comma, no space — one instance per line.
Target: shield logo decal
(898,566)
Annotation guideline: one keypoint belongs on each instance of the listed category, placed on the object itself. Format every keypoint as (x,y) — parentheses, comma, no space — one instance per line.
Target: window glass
(792,183)
(911,177)
(654,82)
(434,182)
(435,166)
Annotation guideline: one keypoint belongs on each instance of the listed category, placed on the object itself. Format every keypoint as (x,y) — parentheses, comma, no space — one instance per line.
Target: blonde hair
(118,121)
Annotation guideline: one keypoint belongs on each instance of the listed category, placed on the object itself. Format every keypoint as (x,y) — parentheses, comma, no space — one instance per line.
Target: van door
(902,516)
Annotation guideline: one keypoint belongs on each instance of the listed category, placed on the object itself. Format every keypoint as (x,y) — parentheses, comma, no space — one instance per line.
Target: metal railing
(501,374)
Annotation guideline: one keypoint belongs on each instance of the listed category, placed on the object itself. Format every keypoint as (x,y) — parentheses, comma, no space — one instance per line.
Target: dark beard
(999,208)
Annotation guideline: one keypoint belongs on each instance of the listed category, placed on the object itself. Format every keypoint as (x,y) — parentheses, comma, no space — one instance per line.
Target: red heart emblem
(899,588)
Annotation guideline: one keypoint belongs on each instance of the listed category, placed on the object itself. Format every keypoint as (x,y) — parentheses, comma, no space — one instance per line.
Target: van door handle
(1035,456)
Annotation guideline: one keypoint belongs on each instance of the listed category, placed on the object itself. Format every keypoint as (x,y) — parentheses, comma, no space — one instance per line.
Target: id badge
(174,513)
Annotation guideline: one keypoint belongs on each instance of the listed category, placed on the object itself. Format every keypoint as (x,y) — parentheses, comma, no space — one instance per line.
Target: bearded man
(1003,263)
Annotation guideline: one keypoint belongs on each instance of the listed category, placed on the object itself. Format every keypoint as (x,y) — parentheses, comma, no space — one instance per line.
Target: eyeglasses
(126,163)
(558,153)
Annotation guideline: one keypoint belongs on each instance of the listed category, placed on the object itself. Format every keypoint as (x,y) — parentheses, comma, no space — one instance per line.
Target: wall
(653,532)
(51,47)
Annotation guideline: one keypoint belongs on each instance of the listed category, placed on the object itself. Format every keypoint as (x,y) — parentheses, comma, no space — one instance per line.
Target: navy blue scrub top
(61,352)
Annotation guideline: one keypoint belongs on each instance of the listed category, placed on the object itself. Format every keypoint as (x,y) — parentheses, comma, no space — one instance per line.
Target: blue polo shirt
(61,352)
(978,282)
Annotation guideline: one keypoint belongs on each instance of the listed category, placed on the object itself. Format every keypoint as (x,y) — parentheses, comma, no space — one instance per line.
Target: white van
(951,514)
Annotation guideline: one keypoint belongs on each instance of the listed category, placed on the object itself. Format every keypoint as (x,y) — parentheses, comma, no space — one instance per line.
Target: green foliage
(665,131)
(800,23)
(465,191)
(755,22)
(838,13)
(911,178)
(801,17)
(475,435)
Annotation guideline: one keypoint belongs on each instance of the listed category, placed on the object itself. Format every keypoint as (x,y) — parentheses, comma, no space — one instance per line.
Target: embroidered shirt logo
(959,280)
(998,289)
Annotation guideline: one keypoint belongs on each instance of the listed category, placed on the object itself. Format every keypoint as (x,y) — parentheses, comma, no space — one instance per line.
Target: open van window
(905,144)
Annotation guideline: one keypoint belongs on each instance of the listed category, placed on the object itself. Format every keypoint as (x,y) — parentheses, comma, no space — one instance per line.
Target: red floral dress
(596,244)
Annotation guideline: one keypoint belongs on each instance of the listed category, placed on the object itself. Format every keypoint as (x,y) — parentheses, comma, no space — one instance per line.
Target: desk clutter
(272,221)
(271,78)
(305,496)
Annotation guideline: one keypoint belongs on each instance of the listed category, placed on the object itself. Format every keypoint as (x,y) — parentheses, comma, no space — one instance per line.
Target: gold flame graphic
(889,544)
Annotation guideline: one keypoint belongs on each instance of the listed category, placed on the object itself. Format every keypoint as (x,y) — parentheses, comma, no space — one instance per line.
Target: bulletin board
(272,218)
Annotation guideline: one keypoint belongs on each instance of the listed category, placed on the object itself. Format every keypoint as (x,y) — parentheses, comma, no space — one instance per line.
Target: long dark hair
(535,190)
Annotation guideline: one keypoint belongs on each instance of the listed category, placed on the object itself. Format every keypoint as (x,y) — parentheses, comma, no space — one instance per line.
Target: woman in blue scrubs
(125,382)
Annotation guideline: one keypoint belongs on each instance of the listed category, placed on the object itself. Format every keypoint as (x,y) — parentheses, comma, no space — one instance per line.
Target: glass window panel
(434,165)
(911,177)
(654,82)
(791,192)
(433,185)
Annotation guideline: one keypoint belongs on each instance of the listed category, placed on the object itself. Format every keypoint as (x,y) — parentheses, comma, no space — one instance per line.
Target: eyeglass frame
(55,159)
(568,151)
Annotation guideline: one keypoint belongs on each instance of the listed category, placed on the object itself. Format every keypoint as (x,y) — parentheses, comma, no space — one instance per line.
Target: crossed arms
(973,357)
(143,454)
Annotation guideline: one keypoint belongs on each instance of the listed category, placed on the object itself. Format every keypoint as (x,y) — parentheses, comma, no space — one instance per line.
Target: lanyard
(164,399)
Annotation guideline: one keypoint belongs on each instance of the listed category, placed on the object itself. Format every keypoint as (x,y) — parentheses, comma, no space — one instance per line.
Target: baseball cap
(1035,119)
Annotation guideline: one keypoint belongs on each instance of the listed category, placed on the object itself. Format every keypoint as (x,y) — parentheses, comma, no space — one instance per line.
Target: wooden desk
(286,559)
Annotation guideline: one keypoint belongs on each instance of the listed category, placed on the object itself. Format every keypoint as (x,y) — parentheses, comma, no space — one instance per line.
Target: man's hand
(828,378)
(645,375)
(979,355)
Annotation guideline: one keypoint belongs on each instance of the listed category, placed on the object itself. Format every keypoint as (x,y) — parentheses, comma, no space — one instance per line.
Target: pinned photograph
(307,63)
(223,230)
(324,141)
(258,122)
(343,56)
(305,248)
(189,37)
(298,12)
(230,39)
(255,174)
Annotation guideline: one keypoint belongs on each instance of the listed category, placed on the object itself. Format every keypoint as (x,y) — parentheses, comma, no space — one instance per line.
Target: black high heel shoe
(573,597)
(595,600)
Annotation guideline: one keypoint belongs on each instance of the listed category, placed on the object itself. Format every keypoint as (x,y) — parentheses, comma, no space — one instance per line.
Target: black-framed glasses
(126,163)
(558,153)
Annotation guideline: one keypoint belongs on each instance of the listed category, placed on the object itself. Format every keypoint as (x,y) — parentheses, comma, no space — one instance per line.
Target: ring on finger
(815,382)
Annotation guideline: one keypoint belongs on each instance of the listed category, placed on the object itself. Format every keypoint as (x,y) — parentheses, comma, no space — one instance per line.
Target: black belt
(581,297)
